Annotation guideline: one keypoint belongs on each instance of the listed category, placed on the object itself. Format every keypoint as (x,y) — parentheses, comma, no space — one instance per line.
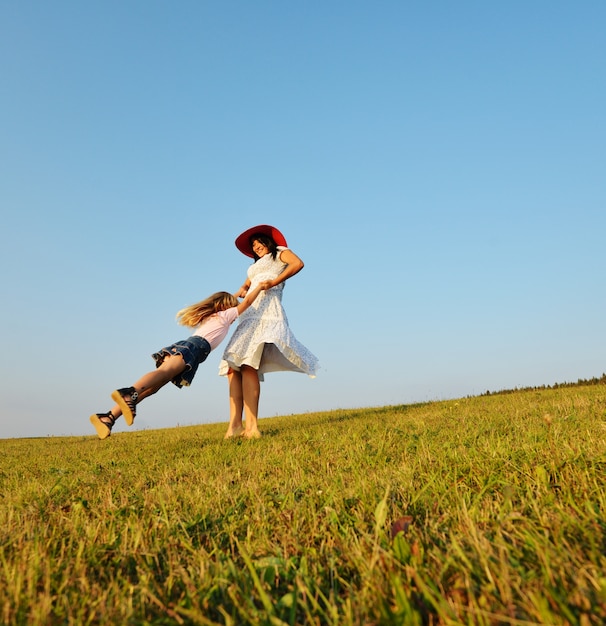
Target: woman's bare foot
(234,432)
(251,434)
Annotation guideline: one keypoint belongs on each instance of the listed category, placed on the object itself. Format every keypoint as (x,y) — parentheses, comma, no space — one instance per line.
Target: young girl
(178,362)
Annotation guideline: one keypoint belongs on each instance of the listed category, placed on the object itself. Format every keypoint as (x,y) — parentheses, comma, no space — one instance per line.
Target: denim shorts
(194,351)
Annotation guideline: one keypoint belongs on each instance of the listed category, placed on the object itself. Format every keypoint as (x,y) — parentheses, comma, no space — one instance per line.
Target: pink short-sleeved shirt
(215,328)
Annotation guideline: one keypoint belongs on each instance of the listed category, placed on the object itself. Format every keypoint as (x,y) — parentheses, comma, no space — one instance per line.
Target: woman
(263,341)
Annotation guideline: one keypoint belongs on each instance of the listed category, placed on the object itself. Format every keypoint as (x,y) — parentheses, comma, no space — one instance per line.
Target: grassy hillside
(499,501)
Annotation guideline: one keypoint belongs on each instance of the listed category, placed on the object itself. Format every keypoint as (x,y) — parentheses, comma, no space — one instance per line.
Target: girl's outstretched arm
(250,298)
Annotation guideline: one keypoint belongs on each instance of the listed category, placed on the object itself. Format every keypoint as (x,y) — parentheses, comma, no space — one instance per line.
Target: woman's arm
(293,266)
(250,298)
(241,293)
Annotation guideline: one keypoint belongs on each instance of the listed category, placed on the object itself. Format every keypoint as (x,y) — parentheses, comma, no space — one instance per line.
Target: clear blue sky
(439,167)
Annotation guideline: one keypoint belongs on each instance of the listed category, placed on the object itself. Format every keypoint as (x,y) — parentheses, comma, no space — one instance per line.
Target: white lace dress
(263,339)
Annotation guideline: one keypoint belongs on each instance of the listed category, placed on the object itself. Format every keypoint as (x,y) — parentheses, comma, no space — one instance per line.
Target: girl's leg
(236,404)
(251,390)
(153,381)
(145,386)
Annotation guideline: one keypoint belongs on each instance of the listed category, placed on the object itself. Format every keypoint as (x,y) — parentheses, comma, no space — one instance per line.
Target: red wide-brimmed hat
(243,240)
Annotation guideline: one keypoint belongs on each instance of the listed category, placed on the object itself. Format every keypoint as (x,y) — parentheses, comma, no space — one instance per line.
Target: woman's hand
(266,284)
(250,297)
(241,293)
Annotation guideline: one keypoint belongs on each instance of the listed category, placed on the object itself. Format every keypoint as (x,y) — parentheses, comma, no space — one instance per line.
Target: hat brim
(243,240)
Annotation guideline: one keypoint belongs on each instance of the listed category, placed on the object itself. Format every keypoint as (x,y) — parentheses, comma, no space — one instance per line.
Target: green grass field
(500,503)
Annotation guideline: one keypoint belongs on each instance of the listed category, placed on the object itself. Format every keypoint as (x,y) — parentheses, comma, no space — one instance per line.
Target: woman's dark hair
(267,241)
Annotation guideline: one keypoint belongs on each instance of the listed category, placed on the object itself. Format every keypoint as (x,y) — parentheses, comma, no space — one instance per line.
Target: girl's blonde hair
(195,314)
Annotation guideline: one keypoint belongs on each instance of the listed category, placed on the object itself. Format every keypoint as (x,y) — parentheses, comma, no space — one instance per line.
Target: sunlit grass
(501,500)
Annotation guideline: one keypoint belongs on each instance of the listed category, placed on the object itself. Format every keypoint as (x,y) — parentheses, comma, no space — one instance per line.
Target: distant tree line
(582,382)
